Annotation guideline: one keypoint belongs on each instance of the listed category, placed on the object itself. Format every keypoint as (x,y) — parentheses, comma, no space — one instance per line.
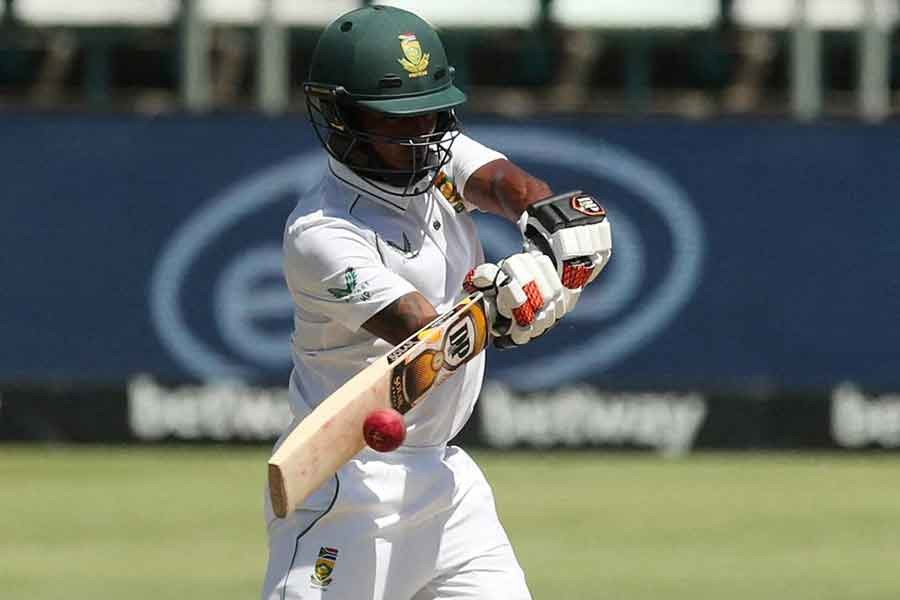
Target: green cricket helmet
(391,62)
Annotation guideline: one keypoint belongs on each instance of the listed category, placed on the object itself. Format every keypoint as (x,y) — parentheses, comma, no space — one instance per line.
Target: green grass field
(135,524)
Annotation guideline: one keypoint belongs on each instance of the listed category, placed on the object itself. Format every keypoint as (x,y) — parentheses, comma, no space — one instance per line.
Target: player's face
(405,128)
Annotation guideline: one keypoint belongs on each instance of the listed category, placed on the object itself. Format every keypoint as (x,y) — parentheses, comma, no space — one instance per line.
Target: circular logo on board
(635,298)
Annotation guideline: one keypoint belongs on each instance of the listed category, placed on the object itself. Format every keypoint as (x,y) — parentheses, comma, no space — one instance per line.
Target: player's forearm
(401,318)
(502,188)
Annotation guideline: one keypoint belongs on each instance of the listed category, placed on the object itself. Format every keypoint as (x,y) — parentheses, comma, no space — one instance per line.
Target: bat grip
(503,341)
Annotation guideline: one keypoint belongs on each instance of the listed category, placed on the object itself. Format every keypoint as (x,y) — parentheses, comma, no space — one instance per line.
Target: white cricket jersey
(350,250)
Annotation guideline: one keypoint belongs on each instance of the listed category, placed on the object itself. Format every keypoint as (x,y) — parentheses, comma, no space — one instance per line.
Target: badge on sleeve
(448,190)
(353,289)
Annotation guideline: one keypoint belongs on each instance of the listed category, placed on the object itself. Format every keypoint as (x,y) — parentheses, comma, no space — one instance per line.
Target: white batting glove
(524,294)
(571,228)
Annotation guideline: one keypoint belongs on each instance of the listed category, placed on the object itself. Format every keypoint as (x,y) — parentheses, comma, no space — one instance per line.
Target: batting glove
(524,296)
(572,229)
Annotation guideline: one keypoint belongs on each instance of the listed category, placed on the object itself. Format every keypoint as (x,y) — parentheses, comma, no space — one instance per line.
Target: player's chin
(403,161)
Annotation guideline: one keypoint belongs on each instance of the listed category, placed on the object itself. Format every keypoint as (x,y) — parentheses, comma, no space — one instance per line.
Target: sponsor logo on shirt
(353,289)
(447,188)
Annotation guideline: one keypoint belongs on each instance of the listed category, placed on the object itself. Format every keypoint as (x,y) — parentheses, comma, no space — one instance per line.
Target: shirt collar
(344,174)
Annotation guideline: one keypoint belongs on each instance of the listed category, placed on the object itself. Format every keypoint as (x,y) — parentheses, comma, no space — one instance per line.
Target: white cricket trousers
(413,524)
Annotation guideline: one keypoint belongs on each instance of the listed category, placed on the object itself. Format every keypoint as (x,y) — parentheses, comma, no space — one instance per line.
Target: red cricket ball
(384,429)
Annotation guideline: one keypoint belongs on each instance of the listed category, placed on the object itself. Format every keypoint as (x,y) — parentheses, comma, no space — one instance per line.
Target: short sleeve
(333,270)
(468,157)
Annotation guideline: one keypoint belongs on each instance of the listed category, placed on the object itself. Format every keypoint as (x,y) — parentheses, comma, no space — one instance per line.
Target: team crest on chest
(322,572)
(415,61)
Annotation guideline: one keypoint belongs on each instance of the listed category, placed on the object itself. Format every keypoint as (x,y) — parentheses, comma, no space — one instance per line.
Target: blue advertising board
(745,253)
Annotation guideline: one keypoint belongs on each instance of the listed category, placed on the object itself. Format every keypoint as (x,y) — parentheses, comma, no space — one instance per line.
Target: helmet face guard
(386,61)
(346,141)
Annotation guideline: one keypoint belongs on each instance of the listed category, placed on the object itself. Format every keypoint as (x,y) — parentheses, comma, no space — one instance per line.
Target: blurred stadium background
(719,419)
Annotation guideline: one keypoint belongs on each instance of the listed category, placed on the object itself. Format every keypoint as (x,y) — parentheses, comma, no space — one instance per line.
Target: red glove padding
(573,230)
(524,295)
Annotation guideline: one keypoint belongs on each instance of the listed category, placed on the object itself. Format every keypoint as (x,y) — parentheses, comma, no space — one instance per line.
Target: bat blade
(332,433)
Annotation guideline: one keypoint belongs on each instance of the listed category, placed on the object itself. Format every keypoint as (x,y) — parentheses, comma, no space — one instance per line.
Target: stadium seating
(158,12)
(599,14)
(76,13)
(862,24)
(820,14)
(519,52)
(635,14)
(287,12)
(473,13)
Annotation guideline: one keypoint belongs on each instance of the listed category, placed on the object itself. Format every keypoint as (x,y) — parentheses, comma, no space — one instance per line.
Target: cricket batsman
(383,245)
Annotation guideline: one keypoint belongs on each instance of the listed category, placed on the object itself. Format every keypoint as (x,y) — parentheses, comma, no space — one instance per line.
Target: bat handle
(502,341)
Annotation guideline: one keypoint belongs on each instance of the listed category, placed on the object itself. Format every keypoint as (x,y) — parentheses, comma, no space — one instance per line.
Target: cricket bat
(332,433)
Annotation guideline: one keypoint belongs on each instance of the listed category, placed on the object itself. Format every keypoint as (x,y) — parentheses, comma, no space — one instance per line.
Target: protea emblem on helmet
(416,62)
